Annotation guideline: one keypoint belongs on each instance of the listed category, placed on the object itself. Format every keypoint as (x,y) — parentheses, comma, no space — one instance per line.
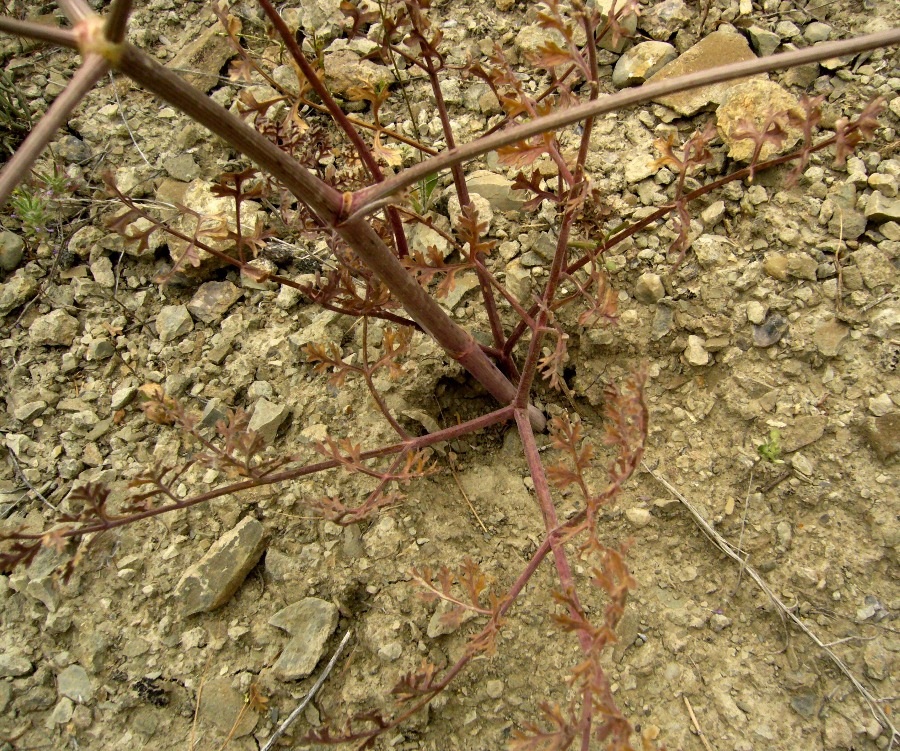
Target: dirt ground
(781,329)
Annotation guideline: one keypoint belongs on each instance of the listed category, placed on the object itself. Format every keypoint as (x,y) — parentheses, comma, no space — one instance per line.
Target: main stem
(327,204)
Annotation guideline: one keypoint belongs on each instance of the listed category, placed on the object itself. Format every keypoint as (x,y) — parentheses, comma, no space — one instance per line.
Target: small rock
(346,70)
(12,249)
(886,185)
(628,23)
(102,271)
(755,101)
(496,189)
(62,712)
(56,328)
(212,300)
(122,397)
(770,332)
(172,322)
(100,349)
(14,665)
(310,623)
(802,266)
(883,435)
(845,221)
(640,168)
(803,465)
(829,337)
(710,250)
(662,19)
(756,312)
(481,205)
(776,266)
(70,149)
(806,429)
(203,57)
(494,689)
(267,419)
(718,48)
(816,32)
(518,281)
(222,705)
(878,660)
(211,582)
(649,288)
(28,411)
(880,405)
(695,353)
(381,539)
(639,517)
(642,61)
(663,321)
(763,41)
(287,297)
(75,683)
(875,267)
(182,167)
(718,622)
(712,214)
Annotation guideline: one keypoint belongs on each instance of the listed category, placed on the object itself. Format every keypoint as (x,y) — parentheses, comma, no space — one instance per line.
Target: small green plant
(15,114)
(37,204)
(771,449)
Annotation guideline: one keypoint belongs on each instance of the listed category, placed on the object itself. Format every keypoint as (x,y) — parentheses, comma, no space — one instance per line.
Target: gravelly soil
(780,329)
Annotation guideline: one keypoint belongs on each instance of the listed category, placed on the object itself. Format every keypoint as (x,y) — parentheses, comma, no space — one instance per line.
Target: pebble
(75,683)
(221,705)
(695,353)
(763,41)
(713,214)
(755,100)
(210,583)
(661,20)
(28,411)
(628,23)
(642,61)
(803,465)
(883,435)
(494,689)
(173,321)
(802,266)
(212,300)
(776,266)
(649,288)
(718,622)
(12,249)
(56,328)
(881,208)
(310,622)
(816,32)
(756,312)
(14,665)
(100,349)
(181,167)
(770,332)
(880,405)
(639,517)
(122,397)
(102,271)
(267,419)
(829,337)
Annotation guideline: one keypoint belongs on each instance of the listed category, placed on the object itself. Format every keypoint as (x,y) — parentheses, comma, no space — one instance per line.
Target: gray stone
(719,48)
(102,271)
(845,221)
(787,29)
(663,19)
(212,300)
(883,435)
(663,321)
(518,281)
(481,205)
(211,582)
(802,266)
(100,349)
(56,328)
(695,353)
(310,623)
(711,250)
(776,266)
(628,23)
(884,184)
(829,337)
(881,405)
(875,267)
(770,332)
(381,539)
(496,189)
(764,42)
(755,101)
(122,397)
(639,517)
(221,705)
(642,61)
(639,168)
(346,70)
(173,321)
(181,167)
(12,248)
(816,32)
(463,284)
(203,57)
(267,419)
(880,208)
(70,149)
(713,214)
(75,683)
(17,291)
(806,429)
(14,665)
(649,288)
(28,411)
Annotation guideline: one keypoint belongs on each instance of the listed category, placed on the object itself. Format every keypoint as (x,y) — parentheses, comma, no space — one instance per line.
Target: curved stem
(618,101)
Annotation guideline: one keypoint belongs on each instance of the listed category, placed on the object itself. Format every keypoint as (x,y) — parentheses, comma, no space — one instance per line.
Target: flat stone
(267,418)
(846,222)
(649,288)
(14,665)
(102,271)
(875,267)
(496,189)
(880,405)
(220,706)
(310,622)
(663,322)
(717,49)
(802,266)
(172,322)
(346,70)
(639,168)
(883,435)
(122,397)
(763,41)
(211,582)
(880,208)
(642,61)
(776,266)
(203,57)
(829,337)
(663,19)
(28,411)
(55,329)
(816,32)
(755,101)
(212,300)
(181,167)
(806,429)
(12,249)
(75,683)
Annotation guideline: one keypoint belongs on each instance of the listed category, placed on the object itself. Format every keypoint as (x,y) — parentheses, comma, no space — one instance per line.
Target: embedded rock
(309,622)
(755,101)
(642,61)
(55,329)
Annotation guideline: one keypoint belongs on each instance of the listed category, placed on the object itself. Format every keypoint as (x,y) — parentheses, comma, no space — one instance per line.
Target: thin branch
(75,10)
(619,101)
(17,168)
(39,31)
(117,21)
